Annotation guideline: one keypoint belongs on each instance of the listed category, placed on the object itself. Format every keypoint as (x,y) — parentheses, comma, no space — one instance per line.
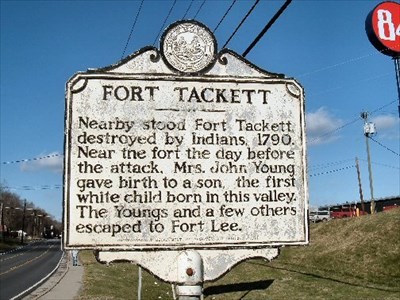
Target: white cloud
(387,126)
(51,162)
(321,127)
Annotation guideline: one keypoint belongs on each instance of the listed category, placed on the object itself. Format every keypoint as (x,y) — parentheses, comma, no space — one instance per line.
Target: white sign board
(165,155)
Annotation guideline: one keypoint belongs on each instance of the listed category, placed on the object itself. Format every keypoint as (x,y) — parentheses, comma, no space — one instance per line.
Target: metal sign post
(185,160)
(397,71)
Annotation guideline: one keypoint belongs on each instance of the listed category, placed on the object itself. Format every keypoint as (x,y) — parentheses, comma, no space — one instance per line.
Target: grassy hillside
(355,258)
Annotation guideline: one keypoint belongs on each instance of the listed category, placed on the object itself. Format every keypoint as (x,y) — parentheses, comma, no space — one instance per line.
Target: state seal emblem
(188,47)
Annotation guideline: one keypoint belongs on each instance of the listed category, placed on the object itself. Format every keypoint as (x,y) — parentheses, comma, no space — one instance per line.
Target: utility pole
(397,71)
(359,185)
(369,130)
(23,223)
(2,221)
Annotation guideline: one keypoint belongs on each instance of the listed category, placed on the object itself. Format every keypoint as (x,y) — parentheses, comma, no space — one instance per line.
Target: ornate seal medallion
(188,47)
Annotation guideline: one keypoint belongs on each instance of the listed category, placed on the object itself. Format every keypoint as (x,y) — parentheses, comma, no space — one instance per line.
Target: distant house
(18,233)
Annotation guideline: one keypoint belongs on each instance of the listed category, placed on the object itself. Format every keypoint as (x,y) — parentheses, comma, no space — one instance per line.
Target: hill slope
(355,258)
(365,248)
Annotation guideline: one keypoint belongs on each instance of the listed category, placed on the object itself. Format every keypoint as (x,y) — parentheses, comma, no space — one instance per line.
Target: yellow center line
(19,254)
(25,263)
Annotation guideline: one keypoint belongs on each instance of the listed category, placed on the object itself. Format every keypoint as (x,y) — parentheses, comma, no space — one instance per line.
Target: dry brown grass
(355,258)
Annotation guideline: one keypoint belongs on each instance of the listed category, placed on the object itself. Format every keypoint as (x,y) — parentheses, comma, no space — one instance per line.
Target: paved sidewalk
(64,284)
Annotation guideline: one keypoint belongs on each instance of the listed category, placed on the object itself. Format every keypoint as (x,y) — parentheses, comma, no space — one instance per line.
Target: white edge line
(41,281)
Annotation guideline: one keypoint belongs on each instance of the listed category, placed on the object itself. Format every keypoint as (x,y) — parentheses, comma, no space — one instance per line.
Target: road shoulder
(64,284)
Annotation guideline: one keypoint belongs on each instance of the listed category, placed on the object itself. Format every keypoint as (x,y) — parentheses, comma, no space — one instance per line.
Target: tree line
(18,215)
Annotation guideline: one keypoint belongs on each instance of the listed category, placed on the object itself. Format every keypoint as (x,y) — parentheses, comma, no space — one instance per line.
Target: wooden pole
(23,223)
(359,185)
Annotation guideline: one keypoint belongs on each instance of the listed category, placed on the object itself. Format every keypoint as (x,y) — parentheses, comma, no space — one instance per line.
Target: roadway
(22,269)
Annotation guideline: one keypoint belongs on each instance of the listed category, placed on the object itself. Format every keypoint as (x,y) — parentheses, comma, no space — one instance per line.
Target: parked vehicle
(346,211)
(320,216)
(341,212)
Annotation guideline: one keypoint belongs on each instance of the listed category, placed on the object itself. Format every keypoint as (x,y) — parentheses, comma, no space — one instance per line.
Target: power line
(330,164)
(133,26)
(383,165)
(31,159)
(226,13)
(241,23)
(351,60)
(270,23)
(382,107)
(334,130)
(35,188)
(165,21)
(348,123)
(383,146)
(187,10)
(201,6)
(332,171)
(350,85)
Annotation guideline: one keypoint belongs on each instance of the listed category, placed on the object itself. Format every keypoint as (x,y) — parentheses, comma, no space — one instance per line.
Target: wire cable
(382,107)
(318,93)
(270,23)
(35,188)
(241,23)
(133,26)
(380,164)
(371,138)
(187,10)
(31,159)
(226,13)
(334,130)
(332,171)
(201,6)
(348,123)
(165,21)
(329,164)
(351,60)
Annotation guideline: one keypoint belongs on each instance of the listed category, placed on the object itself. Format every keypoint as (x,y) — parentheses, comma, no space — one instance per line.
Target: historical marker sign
(184,148)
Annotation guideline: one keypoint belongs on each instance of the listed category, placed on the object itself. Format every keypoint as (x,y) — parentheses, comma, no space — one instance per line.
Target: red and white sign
(383,28)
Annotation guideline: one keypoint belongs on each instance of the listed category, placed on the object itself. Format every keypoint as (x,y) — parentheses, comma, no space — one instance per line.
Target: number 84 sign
(383,28)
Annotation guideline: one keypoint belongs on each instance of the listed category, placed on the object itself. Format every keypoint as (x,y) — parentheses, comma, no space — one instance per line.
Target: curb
(49,282)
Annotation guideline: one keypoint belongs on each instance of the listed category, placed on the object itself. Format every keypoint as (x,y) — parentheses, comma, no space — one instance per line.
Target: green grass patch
(355,258)
(119,281)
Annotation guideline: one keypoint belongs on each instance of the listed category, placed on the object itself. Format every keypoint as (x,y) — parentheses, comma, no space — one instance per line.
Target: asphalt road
(25,267)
